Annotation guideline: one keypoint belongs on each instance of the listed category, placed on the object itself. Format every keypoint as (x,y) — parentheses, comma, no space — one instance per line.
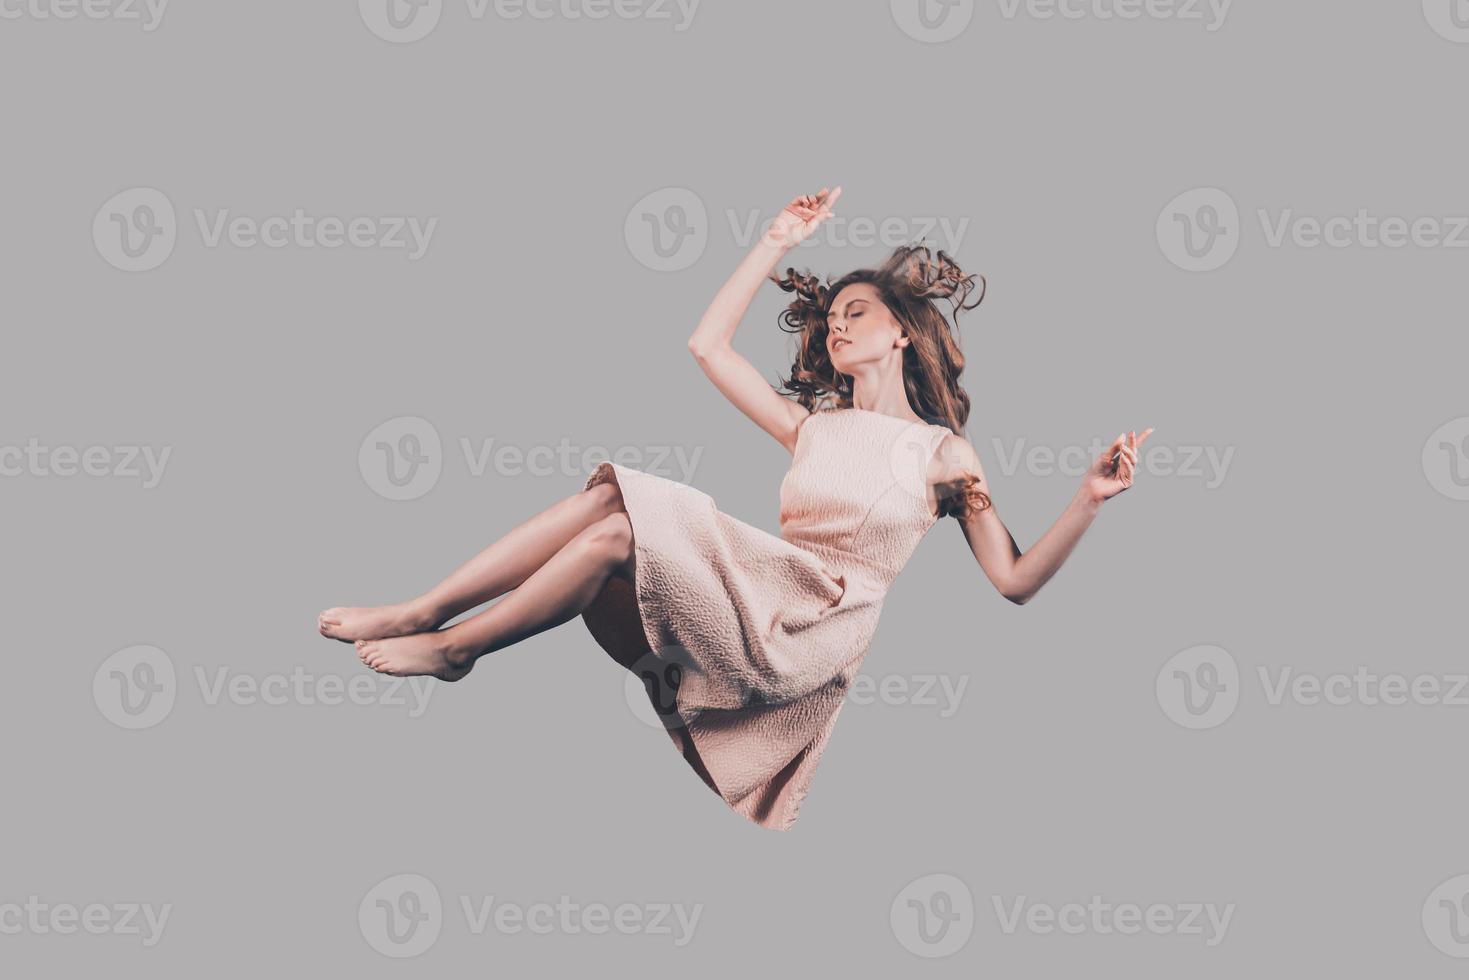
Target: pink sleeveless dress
(747,642)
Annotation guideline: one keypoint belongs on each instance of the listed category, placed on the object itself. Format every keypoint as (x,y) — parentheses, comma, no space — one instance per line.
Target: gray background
(531,319)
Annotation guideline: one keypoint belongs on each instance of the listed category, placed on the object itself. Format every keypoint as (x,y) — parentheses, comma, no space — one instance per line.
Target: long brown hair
(909,282)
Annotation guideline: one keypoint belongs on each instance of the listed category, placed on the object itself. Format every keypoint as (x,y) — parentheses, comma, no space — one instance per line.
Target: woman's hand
(800,218)
(1112,471)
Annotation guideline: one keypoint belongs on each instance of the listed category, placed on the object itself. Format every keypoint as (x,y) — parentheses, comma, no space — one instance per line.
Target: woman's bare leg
(557,591)
(498,569)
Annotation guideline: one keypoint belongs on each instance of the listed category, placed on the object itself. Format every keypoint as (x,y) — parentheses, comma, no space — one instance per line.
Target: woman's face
(859,327)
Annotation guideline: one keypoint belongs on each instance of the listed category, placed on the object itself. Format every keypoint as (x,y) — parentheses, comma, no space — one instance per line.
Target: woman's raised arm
(735,377)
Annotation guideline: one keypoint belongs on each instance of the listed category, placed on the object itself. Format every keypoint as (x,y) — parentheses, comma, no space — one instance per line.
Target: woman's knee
(606,497)
(610,538)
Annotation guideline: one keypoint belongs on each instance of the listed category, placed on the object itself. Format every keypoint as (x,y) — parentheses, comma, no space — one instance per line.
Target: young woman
(748,641)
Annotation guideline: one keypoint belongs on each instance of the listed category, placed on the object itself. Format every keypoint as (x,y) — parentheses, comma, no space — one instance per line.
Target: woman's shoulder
(953,456)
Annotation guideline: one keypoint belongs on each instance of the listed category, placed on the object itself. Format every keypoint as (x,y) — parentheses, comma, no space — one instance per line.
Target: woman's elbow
(1017,596)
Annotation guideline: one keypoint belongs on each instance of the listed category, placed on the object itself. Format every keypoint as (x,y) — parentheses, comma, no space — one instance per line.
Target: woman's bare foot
(420,653)
(350,624)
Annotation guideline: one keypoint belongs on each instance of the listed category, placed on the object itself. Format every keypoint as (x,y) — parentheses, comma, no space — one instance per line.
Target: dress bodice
(856,493)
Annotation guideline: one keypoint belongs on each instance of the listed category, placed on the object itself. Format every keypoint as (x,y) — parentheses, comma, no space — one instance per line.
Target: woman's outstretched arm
(1018,576)
(735,377)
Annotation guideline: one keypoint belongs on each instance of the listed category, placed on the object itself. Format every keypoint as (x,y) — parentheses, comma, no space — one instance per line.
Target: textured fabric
(747,642)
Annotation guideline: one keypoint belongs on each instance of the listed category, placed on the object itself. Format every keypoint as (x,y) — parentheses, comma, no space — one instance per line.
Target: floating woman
(747,642)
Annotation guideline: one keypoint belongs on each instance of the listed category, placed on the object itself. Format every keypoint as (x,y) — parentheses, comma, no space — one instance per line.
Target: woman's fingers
(812,208)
